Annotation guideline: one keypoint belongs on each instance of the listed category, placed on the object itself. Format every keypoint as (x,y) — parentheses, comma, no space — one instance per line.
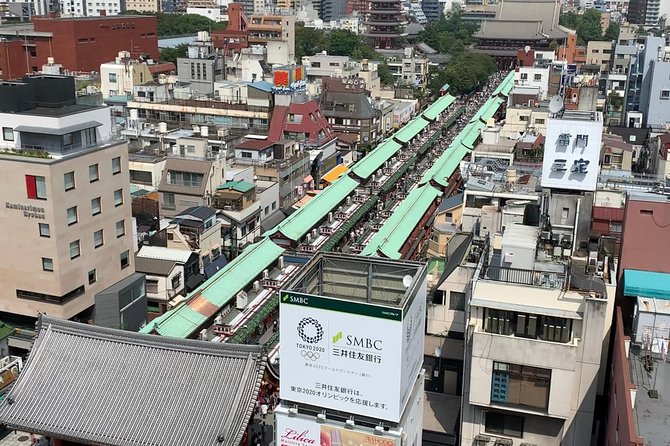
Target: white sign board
(572,153)
(350,356)
(297,431)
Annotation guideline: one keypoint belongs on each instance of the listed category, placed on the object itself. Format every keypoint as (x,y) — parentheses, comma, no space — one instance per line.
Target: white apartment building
(122,75)
(534,345)
(67,221)
(90,8)
(533,77)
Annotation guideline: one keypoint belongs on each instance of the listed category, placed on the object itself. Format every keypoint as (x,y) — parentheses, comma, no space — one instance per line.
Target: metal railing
(545,279)
(67,150)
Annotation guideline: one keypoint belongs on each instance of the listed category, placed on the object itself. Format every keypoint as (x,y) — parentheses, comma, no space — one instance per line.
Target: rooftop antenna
(556,105)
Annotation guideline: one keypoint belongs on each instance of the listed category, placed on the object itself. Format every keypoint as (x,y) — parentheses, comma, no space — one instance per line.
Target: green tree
(171,54)
(342,42)
(464,73)
(587,25)
(614,100)
(569,20)
(449,35)
(612,32)
(308,41)
(385,75)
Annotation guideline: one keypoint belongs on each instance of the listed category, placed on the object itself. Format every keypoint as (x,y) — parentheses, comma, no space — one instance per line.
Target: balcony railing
(62,151)
(544,279)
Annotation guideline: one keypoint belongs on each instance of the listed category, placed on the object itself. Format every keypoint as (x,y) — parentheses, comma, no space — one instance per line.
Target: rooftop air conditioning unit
(503,442)
(482,440)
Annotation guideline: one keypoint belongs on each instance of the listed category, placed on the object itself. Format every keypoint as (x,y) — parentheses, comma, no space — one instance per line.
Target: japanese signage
(289,79)
(28,210)
(350,356)
(294,431)
(572,152)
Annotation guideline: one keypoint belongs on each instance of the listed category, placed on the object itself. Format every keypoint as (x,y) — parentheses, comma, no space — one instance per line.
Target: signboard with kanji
(350,356)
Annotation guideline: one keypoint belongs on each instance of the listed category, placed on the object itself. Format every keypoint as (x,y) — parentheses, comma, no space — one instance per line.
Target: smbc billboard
(350,356)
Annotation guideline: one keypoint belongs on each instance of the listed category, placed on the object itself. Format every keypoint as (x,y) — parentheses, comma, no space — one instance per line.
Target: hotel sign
(29,211)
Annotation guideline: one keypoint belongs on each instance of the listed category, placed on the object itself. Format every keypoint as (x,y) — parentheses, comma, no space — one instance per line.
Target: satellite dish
(556,104)
(407,281)
(526,49)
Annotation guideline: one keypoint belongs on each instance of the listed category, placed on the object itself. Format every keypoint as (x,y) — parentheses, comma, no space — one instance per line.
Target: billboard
(572,152)
(350,356)
(298,431)
(288,79)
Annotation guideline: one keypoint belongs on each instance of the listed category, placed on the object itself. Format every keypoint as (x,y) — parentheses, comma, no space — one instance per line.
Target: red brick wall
(84,44)
(620,421)
(13,60)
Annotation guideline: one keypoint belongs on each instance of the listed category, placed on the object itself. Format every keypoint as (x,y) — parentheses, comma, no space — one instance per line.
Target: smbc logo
(359,342)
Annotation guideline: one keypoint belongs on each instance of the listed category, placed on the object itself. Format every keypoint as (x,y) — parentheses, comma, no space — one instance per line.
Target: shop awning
(335,173)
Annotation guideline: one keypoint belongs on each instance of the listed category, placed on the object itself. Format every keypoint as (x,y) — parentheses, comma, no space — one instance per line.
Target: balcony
(47,152)
(544,279)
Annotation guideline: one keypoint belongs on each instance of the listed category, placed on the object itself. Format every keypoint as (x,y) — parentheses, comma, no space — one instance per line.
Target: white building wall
(533,77)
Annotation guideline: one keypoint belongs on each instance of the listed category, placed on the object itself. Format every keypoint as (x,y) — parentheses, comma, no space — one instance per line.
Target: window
(8,134)
(520,385)
(438,297)
(274,205)
(498,321)
(92,276)
(187,179)
(524,118)
(44,230)
(96,206)
(565,213)
(47,264)
(539,121)
(449,217)
(537,77)
(502,424)
(246,154)
(112,78)
(176,281)
(615,227)
(98,239)
(556,329)
(93,173)
(118,197)
(67,139)
(457,301)
(151,286)
(120,228)
(665,94)
(72,215)
(526,325)
(90,136)
(116,165)
(141,177)
(36,187)
(74,250)
(68,178)
(168,201)
(125,259)
(524,76)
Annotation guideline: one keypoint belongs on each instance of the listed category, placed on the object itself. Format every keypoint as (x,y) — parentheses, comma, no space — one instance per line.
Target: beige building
(277,33)
(447,223)
(143,5)
(67,218)
(599,53)
(68,224)
(118,78)
(521,118)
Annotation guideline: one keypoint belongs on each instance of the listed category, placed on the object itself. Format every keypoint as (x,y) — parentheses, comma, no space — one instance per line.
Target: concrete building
(447,223)
(85,8)
(148,6)
(68,213)
(240,208)
(599,53)
(346,106)
(655,87)
(534,345)
(533,76)
(408,67)
(202,67)
(616,154)
(198,230)
(644,12)
(78,44)
(275,32)
(120,77)
(662,148)
(321,66)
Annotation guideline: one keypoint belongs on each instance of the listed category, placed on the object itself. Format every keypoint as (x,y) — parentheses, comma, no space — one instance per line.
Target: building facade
(68,208)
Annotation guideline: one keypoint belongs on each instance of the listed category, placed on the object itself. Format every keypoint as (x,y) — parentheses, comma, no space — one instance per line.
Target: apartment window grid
(93,173)
(72,215)
(526,325)
(116,165)
(75,250)
(118,197)
(44,230)
(520,385)
(98,238)
(120,228)
(36,187)
(68,179)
